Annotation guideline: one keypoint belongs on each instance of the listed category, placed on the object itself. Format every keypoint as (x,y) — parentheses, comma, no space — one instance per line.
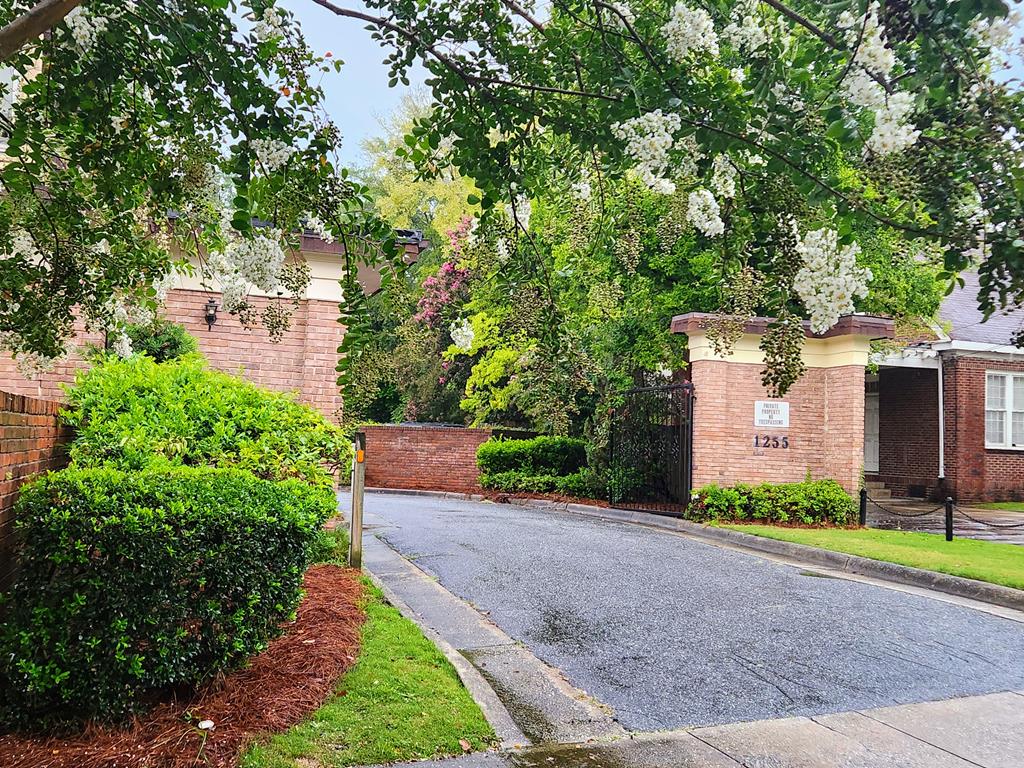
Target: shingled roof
(963,320)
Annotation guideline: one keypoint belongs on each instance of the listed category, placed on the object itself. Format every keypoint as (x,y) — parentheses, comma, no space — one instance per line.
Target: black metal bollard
(949,518)
(863,507)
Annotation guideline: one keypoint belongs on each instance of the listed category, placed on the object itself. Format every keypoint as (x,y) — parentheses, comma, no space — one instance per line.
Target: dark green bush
(130,582)
(582,484)
(162,340)
(817,502)
(136,414)
(539,456)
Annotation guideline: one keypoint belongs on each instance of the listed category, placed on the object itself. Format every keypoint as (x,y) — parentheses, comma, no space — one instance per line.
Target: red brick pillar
(741,435)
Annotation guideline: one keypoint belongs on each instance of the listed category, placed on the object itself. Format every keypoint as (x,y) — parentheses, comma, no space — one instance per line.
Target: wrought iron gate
(651,449)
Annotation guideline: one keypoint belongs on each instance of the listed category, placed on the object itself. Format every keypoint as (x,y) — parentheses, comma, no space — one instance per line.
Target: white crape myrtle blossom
(863,90)
(316,225)
(85,27)
(648,140)
(703,212)
(24,246)
(829,279)
(270,26)
(259,259)
(690,155)
(502,251)
(723,177)
(32,365)
(272,154)
(872,52)
(233,287)
(745,31)
(462,335)
(689,29)
(163,285)
(893,131)
(755,160)
(581,190)
(739,74)
(519,211)
(1003,38)
(122,345)
(621,12)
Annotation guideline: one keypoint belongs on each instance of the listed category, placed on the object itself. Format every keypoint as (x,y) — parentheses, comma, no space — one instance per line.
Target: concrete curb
(505,728)
(958,586)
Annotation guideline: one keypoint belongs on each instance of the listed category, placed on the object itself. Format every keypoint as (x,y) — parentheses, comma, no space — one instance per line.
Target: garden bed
(282,685)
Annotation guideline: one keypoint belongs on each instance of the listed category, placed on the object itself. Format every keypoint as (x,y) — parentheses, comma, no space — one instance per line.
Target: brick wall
(32,440)
(423,457)
(908,429)
(973,472)
(826,432)
(303,360)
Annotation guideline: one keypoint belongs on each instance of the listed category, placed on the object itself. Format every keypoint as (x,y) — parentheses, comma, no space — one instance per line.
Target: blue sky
(359,94)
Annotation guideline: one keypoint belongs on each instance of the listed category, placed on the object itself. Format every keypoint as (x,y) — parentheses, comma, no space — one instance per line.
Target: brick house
(945,415)
(303,361)
(934,416)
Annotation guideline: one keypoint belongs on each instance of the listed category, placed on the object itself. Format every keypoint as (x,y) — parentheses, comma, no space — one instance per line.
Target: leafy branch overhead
(790,130)
(895,115)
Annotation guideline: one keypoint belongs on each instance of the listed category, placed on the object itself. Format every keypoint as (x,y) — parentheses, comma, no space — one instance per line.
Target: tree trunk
(33,23)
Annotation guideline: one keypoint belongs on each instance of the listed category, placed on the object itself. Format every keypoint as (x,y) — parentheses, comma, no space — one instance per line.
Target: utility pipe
(942,425)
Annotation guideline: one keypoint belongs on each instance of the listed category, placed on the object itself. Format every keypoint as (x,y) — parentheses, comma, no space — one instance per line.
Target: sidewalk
(543,721)
(929,517)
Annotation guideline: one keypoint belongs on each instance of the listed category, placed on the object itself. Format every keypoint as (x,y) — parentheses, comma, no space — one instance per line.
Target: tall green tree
(139,132)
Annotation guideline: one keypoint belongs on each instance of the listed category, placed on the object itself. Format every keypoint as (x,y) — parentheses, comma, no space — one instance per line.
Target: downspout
(942,425)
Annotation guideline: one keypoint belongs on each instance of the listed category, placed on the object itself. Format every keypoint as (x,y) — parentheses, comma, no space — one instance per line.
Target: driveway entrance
(669,632)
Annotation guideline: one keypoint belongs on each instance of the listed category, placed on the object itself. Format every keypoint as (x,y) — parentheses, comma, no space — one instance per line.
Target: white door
(871,432)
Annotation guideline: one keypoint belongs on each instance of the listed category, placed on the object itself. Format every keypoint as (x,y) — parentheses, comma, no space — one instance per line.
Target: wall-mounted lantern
(211,314)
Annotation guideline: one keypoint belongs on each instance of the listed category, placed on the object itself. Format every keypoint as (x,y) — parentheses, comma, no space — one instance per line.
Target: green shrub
(162,340)
(582,484)
(136,414)
(542,455)
(817,502)
(130,582)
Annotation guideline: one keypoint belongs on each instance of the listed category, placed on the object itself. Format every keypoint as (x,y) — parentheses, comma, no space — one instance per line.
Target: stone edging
(972,589)
(508,733)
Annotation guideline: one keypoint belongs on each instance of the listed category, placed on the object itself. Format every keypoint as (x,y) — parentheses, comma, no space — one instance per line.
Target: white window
(1004,410)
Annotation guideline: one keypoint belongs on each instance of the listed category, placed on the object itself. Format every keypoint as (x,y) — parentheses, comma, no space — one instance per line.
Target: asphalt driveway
(672,632)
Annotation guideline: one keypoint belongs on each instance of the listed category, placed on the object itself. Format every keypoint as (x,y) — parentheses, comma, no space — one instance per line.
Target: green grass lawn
(982,560)
(1006,506)
(401,701)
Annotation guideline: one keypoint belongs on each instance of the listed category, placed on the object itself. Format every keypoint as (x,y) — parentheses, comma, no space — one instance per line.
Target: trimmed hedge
(582,484)
(130,582)
(817,502)
(544,455)
(136,414)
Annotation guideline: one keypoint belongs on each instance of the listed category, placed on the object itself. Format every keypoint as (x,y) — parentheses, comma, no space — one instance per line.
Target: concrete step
(873,484)
(879,494)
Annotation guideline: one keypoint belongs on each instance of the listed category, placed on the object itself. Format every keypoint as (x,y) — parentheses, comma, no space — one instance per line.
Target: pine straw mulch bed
(293,677)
